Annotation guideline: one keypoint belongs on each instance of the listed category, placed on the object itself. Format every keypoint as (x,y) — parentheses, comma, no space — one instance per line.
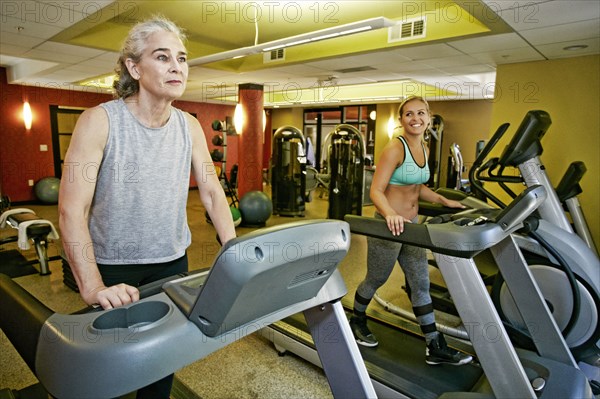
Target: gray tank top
(138,214)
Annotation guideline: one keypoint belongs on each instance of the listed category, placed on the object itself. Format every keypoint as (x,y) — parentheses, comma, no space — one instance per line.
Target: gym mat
(12,263)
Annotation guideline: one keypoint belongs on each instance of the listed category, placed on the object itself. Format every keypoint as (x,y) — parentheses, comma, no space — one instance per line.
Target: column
(250,150)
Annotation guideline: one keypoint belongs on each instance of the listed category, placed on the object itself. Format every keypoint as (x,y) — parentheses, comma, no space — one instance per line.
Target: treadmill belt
(398,362)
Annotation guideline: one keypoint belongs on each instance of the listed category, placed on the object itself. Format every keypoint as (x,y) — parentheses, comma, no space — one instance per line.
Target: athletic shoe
(361,332)
(438,352)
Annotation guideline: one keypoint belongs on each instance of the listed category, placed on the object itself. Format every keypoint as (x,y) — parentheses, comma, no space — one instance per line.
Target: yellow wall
(569,91)
(386,119)
(287,117)
(465,123)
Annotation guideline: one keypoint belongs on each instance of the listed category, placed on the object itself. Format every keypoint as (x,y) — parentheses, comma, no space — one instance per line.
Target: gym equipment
(346,168)
(315,180)
(288,172)
(456,168)
(256,208)
(523,152)
(509,373)
(254,281)
(32,228)
(4,201)
(216,155)
(565,268)
(567,191)
(236,215)
(561,246)
(46,190)
(433,136)
(220,140)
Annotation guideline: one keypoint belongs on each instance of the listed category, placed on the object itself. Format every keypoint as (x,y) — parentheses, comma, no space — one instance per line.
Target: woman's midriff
(404,199)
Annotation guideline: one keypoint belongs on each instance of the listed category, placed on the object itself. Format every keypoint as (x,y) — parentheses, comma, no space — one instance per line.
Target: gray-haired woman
(123,194)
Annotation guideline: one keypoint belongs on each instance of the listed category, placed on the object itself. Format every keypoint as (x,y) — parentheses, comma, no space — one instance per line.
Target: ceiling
(62,44)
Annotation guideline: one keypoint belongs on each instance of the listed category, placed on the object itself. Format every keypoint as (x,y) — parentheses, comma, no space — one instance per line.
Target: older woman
(125,182)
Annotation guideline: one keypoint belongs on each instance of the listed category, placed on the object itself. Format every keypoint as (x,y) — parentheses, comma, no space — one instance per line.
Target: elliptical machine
(565,268)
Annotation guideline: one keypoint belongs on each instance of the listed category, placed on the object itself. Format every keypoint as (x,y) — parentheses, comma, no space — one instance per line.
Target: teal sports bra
(409,172)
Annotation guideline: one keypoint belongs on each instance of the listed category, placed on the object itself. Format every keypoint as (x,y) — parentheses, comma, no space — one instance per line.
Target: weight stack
(68,278)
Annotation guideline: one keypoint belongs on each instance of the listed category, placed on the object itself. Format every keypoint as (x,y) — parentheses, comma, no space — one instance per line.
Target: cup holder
(136,316)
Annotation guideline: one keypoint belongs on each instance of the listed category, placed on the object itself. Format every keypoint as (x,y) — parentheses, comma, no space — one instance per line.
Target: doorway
(62,123)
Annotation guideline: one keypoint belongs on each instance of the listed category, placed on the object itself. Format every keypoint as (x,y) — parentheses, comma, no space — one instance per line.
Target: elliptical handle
(521,207)
(490,144)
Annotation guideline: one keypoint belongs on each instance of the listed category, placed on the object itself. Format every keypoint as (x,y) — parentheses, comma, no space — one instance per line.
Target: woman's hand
(452,203)
(113,296)
(395,224)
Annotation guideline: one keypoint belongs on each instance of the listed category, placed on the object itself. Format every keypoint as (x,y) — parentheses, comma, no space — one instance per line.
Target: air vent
(274,55)
(356,69)
(407,30)
(308,276)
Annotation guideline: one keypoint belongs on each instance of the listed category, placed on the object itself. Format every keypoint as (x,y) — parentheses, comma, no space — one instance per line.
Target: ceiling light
(103,82)
(323,34)
(575,47)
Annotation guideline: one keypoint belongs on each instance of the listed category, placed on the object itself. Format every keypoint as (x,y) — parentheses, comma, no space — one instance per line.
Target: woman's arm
(77,188)
(212,194)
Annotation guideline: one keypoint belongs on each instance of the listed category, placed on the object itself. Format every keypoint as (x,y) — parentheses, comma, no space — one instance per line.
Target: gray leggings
(381,258)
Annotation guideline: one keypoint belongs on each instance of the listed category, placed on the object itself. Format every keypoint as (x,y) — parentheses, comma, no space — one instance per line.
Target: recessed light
(575,47)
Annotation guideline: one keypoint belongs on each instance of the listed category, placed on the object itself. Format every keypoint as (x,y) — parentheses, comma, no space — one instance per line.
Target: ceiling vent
(274,55)
(356,69)
(407,30)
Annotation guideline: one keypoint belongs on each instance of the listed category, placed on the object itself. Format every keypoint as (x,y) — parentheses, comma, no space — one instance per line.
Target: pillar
(250,149)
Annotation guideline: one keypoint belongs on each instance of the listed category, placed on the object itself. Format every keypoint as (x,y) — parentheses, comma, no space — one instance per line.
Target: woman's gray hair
(133,46)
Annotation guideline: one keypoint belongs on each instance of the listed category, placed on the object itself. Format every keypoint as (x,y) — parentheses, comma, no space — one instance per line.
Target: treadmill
(396,366)
(255,280)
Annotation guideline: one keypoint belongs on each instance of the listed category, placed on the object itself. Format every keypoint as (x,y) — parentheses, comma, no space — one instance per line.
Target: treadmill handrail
(462,238)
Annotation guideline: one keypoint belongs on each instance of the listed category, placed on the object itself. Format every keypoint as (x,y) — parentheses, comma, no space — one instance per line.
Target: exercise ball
(236,215)
(256,208)
(46,190)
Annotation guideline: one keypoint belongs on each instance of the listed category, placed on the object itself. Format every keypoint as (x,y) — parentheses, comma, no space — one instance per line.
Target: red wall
(20,156)
(206,113)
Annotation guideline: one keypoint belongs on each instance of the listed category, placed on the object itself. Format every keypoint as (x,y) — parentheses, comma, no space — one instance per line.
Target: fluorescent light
(336,31)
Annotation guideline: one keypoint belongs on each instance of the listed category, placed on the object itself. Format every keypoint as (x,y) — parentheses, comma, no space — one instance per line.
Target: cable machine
(346,167)
(288,172)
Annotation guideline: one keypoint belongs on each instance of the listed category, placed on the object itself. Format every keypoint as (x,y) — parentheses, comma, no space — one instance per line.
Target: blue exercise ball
(256,208)
(46,190)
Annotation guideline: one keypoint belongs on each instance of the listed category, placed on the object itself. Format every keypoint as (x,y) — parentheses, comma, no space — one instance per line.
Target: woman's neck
(413,140)
(150,113)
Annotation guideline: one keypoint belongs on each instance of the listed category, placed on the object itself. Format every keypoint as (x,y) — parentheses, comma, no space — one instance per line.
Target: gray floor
(250,368)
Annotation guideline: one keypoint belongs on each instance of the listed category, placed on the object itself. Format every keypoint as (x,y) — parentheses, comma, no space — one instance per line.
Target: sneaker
(438,352)
(361,332)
